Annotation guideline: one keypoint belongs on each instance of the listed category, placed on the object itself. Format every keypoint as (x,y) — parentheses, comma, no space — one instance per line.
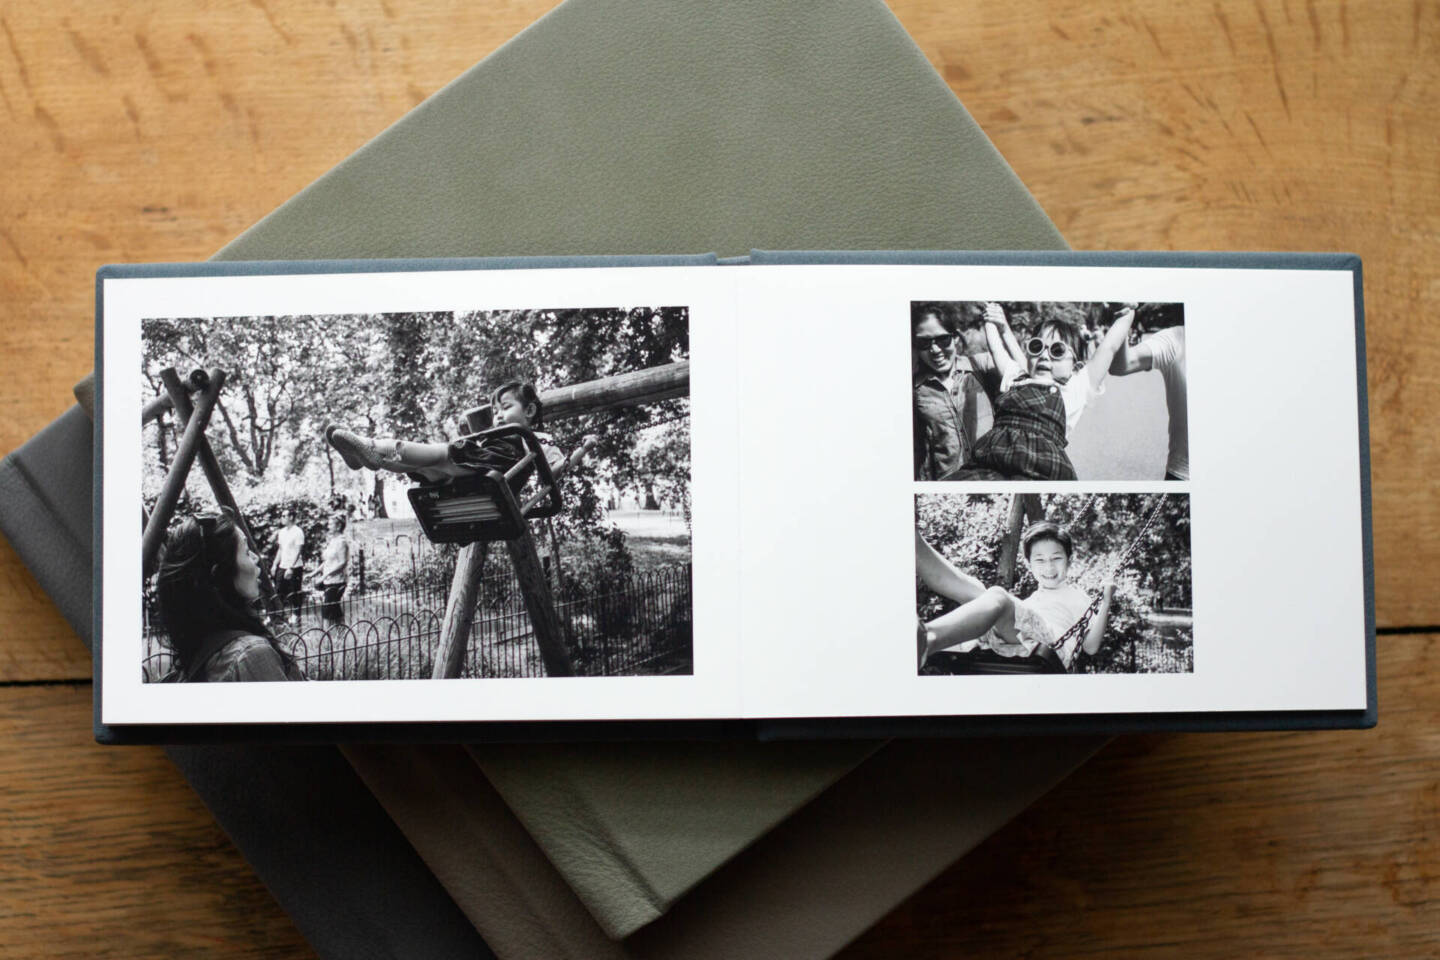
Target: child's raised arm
(576,456)
(1118,334)
(996,327)
(1012,343)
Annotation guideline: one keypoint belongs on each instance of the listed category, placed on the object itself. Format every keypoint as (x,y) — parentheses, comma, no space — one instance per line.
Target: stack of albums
(788,495)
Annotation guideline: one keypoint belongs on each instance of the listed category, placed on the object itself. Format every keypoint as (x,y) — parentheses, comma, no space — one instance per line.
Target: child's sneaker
(358,451)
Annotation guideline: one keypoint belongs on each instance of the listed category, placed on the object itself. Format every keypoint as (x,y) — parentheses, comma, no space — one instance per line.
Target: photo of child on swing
(440,495)
(1028,583)
(1049,391)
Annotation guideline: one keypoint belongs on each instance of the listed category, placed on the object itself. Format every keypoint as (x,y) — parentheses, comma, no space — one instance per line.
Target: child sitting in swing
(995,622)
(514,403)
(1043,391)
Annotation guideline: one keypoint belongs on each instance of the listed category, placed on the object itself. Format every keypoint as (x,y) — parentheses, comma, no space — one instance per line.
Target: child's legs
(398,456)
(970,621)
(430,460)
(942,576)
(421,454)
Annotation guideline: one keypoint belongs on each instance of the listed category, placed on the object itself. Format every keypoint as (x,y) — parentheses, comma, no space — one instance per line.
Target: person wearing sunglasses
(207,586)
(1040,401)
(951,408)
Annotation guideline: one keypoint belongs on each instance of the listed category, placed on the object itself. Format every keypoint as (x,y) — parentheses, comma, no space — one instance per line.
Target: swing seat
(487,505)
(990,663)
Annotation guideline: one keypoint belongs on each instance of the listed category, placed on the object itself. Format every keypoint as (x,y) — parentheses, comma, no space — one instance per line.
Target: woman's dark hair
(195,587)
(943,312)
(1047,530)
(524,390)
(338,518)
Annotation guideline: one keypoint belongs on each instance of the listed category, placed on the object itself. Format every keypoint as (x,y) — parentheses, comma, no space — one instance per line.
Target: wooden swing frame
(510,524)
(514,516)
(194,418)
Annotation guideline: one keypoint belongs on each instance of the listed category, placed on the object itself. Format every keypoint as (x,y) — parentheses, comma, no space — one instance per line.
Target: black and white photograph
(1049,391)
(484,494)
(1028,583)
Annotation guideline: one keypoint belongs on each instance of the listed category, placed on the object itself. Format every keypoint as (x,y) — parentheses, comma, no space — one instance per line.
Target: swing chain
(1082,625)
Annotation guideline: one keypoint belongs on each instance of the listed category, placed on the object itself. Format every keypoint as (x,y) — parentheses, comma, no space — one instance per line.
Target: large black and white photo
(488,494)
(1049,391)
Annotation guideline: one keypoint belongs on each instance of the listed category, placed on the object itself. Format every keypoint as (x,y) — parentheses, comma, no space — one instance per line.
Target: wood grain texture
(1309,845)
(160,130)
(36,643)
(109,853)
(1304,845)
(1256,125)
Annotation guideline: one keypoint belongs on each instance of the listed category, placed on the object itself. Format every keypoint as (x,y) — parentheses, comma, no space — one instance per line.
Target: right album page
(1021,489)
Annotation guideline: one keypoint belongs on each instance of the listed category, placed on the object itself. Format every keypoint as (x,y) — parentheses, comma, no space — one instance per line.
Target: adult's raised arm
(996,326)
(1118,334)
(1132,359)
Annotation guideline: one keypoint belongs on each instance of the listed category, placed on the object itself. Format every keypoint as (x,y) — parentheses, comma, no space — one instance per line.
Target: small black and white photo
(1028,583)
(455,494)
(1049,390)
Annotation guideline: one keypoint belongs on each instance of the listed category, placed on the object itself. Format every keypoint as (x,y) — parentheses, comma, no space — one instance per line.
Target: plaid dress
(1027,441)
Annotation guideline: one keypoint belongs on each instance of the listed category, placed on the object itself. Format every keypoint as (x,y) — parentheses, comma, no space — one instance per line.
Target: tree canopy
(412,375)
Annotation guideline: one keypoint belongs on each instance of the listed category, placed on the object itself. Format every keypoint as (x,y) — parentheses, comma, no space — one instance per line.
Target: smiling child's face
(1049,564)
(1045,366)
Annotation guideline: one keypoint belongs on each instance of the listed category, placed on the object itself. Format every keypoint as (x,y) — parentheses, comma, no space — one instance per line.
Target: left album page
(396,492)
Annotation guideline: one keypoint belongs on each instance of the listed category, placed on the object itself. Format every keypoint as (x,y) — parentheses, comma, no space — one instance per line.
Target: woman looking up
(207,586)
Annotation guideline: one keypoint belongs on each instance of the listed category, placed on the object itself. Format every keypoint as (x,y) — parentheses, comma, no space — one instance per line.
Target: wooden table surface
(160,130)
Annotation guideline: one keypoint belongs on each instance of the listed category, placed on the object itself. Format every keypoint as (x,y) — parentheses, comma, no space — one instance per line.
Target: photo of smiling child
(1032,584)
(999,390)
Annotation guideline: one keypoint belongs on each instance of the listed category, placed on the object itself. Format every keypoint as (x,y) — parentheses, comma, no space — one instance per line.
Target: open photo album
(818,494)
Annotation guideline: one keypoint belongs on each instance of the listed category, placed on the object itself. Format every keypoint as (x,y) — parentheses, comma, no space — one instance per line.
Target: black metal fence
(641,626)
(1166,647)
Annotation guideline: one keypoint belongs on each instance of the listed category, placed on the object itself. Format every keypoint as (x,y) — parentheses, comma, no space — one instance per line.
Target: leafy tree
(553,348)
(1090,318)
(413,375)
(266,360)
